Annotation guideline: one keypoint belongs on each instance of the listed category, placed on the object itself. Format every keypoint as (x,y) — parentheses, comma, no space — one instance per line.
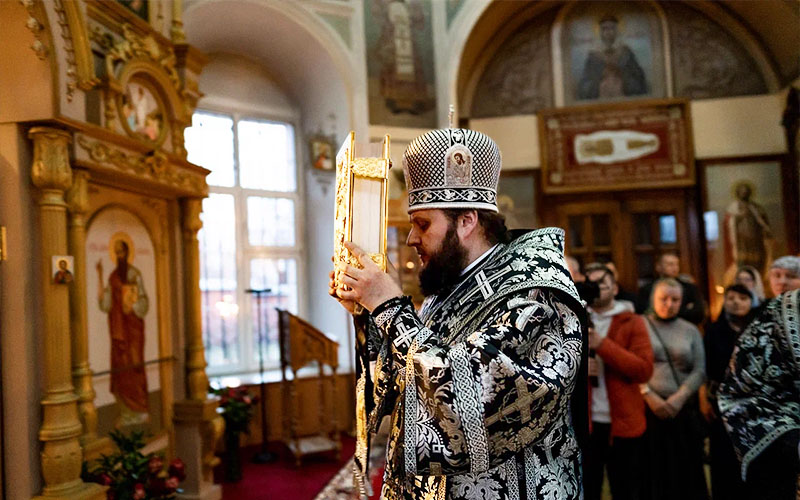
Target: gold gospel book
(361,210)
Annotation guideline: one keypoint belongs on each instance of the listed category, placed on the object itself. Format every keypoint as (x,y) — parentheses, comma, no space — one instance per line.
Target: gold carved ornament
(37,27)
(348,169)
(138,54)
(155,166)
(80,66)
(132,46)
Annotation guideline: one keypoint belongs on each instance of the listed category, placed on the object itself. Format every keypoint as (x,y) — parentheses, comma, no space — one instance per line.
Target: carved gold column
(178,35)
(196,379)
(61,454)
(198,427)
(77,202)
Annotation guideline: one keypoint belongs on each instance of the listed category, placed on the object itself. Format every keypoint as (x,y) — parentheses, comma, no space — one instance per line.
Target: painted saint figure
(457,171)
(63,275)
(748,236)
(611,71)
(125,301)
(403,85)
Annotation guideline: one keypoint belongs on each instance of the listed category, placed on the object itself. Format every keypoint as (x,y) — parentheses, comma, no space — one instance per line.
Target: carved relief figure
(748,237)
(612,70)
(125,301)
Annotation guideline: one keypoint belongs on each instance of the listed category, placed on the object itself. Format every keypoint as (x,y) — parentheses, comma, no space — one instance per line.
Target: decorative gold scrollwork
(36,27)
(133,46)
(155,166)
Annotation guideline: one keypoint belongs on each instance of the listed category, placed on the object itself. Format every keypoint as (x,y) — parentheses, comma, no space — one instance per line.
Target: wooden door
(592,228)
(630,228)
(655,226)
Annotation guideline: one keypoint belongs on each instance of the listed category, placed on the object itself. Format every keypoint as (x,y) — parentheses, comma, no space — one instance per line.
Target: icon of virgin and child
(124,299)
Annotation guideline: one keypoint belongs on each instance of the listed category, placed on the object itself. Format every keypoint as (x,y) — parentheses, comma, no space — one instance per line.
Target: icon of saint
(125,301)
(611,70)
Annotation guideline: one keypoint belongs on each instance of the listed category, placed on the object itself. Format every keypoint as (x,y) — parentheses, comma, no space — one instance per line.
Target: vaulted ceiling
(774,25)
(284,40)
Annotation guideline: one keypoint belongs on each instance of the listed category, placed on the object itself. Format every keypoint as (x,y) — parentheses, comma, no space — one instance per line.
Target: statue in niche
(748,237)
(125,301)
(611,71)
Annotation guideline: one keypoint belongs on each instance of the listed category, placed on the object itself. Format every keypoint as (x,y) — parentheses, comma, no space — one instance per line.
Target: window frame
(245,252)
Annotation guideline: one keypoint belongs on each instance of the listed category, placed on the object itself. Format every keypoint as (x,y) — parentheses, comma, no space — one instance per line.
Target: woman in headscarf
(720,337)
(751,279)
(784,274)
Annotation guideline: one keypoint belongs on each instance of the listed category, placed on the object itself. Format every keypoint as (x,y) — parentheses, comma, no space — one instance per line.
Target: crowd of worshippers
(660,386)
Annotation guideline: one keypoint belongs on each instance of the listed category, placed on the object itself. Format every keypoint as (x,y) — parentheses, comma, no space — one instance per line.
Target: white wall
(739,126)
(736,126)
(516,136)
(238,83)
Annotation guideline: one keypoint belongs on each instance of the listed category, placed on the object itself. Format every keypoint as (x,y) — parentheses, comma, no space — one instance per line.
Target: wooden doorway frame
(683,201)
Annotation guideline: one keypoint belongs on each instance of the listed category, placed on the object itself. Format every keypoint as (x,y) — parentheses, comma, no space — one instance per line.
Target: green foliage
(132,475)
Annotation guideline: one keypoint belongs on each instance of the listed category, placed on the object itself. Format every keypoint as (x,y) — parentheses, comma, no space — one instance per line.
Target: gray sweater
(686,350)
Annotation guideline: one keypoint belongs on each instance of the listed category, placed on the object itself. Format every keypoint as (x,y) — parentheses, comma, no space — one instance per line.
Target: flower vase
(233,460)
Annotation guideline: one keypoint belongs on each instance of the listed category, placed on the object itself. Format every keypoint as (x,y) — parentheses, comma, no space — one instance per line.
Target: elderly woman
(751,279)
(784,274)
(674,432)
(719,341)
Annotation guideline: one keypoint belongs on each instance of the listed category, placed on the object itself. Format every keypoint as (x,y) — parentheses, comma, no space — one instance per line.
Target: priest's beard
(445,266)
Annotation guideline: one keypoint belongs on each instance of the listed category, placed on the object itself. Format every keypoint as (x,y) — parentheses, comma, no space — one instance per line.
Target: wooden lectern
(301,345)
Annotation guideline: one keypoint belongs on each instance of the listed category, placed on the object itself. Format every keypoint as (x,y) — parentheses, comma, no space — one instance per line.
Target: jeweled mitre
(452,168)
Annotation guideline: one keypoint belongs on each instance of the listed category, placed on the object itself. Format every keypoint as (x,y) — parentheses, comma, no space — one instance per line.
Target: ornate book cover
(360,214)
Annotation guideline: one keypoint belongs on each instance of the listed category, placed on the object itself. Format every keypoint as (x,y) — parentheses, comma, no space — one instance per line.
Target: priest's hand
(369,286)
(347,304)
